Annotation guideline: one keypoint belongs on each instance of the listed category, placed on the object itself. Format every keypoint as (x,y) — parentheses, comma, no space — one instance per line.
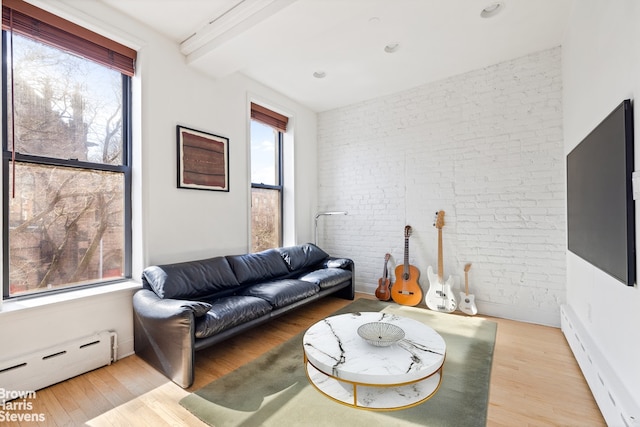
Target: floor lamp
(319,214)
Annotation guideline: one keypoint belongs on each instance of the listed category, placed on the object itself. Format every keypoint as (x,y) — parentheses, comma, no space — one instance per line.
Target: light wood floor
(535,380)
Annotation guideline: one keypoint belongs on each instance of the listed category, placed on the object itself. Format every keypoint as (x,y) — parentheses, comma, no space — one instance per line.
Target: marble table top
(334,347)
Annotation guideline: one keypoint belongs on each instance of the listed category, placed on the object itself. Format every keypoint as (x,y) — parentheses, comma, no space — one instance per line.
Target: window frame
(124,168)
(279,188)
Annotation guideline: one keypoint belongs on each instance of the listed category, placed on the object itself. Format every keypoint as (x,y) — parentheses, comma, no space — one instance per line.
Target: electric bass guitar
(406,290)
(439,296)
(467,301)
(383,293)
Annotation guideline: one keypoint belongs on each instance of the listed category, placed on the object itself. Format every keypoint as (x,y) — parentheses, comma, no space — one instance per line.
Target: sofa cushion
(260,266)
(190,280)
(228,312)
(280,293)
(302,256)
(327,277)
(198,308)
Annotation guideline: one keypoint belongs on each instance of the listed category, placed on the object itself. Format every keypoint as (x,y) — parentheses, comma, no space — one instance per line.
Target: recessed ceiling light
(492,9)
(319,74)
(392,47)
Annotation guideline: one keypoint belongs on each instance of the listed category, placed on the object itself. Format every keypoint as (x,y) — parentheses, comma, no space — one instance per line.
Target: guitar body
(467,301)
(468,304)
(407,291)
(383,293)
(440,297)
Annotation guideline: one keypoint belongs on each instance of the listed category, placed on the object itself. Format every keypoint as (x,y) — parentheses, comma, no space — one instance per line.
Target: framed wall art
(203,160)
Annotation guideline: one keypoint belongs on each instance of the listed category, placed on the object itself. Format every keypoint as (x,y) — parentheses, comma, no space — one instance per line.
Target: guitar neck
(466,279)
(466,282)
(406,258)
(440,262)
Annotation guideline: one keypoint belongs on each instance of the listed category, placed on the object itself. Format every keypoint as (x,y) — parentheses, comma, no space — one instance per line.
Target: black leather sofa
(185,307)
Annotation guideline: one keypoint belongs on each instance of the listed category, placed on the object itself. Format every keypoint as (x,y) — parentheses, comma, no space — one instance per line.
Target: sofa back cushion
(190,280)
(259,266)
(303,256)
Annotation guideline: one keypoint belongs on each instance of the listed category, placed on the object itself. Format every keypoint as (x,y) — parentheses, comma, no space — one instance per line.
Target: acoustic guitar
(406,290)
(383,293)
(467,301)
(440,297)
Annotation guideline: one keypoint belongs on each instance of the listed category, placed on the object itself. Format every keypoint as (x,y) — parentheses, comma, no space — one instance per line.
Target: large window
(267,133)
(266,187)
(66,160)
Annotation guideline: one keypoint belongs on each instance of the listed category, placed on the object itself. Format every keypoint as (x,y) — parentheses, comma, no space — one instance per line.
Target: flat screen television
(600,206)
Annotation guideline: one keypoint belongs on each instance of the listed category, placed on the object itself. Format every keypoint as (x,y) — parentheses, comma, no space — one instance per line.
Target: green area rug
(273,390)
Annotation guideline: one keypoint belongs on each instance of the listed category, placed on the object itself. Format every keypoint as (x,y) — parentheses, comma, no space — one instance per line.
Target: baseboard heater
(615,402)
(57,363)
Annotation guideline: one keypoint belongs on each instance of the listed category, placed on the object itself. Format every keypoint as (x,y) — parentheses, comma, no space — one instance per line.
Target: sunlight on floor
(157,407)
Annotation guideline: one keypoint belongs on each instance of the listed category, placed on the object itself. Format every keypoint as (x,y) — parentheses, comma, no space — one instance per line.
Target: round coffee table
(347,369)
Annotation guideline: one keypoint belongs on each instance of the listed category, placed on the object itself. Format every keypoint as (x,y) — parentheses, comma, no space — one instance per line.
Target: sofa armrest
(343,263)
(164,333)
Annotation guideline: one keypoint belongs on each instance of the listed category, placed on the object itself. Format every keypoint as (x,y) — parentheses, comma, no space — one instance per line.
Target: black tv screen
(600,206)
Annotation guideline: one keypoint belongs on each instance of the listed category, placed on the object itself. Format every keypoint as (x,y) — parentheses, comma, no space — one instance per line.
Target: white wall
(485,147)
(601,67)
(170,224)
(186,224)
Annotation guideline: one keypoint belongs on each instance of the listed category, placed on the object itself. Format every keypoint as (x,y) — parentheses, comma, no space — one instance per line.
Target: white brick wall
(486,147)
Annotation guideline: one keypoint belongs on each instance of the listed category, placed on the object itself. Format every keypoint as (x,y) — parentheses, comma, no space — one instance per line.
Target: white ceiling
(281,43)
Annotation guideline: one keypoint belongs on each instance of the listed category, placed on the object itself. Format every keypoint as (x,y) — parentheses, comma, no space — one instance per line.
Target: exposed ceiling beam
(242,15)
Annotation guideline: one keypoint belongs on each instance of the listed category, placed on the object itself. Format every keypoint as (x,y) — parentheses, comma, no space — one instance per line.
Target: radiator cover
(57,363)
(615,402)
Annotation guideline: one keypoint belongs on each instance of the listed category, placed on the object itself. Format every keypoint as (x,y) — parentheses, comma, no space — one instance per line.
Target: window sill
(13,306)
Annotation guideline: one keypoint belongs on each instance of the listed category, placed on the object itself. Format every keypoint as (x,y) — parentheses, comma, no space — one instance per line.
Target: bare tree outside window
(265,219)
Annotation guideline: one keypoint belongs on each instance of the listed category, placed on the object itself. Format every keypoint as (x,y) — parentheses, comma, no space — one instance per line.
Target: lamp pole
(319,214)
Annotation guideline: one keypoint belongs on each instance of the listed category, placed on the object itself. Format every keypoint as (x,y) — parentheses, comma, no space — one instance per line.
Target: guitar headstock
(467,267)
(439,219)
(407,231)
(386,257)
